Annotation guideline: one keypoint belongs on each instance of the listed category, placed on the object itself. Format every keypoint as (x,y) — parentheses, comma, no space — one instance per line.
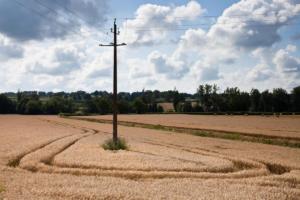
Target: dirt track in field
(282,126)
(70,164)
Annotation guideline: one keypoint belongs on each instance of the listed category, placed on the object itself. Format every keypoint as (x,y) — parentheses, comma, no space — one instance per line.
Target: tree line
(207,99)
(232,99)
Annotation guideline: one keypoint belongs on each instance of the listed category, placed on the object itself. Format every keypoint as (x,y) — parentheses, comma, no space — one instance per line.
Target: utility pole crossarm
(115,92)
(106,45)
(122,44)
(112,44)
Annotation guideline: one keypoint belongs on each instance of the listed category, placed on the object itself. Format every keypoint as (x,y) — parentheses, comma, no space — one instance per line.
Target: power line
(69,10)
(187,27)
(74,13)
(67,29)
(40,14)
(34,11)
(73,33)
(203,16)
(181,27)
(57,13)
(222,23)
(49,8)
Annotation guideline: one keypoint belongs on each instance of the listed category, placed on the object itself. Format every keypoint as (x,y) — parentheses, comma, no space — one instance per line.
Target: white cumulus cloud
(151,22)
(251,24)
(287,63)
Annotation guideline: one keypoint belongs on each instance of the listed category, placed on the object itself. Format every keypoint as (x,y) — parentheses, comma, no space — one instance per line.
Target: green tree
(21,104)
(100,105)
(254,98)
(236,100)
(58,104)
(280,100)
(124,107)
(244,101)
(139,106)
(177,98)
(6,105)
(296,99)
(265,102)
(104,105)
(91,106)
(208,97)
(29,103)
(33,107)
(231,95)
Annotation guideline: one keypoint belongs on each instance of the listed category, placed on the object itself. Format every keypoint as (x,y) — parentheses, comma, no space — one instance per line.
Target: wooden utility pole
(115,44)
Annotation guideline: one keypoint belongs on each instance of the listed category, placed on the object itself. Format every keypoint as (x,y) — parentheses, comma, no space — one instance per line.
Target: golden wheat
(69,163)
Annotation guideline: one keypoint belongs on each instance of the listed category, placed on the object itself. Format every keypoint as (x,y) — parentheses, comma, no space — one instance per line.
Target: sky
(53,45)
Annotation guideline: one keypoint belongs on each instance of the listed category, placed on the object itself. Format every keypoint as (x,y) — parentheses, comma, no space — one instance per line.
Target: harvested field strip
(45,154)
(256,138)
(135,175)
(50,159)
(14,162)
(140,170)
(239,165)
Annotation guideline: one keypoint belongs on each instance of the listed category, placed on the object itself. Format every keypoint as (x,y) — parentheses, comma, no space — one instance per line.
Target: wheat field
(48,157)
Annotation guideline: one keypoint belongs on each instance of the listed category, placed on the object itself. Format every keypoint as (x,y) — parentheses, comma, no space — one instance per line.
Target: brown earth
(283,126)
(47,157)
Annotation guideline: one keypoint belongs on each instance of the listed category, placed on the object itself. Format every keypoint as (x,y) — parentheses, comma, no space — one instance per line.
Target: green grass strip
(256,138)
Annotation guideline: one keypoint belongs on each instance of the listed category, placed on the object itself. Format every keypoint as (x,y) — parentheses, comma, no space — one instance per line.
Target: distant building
(167,107)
